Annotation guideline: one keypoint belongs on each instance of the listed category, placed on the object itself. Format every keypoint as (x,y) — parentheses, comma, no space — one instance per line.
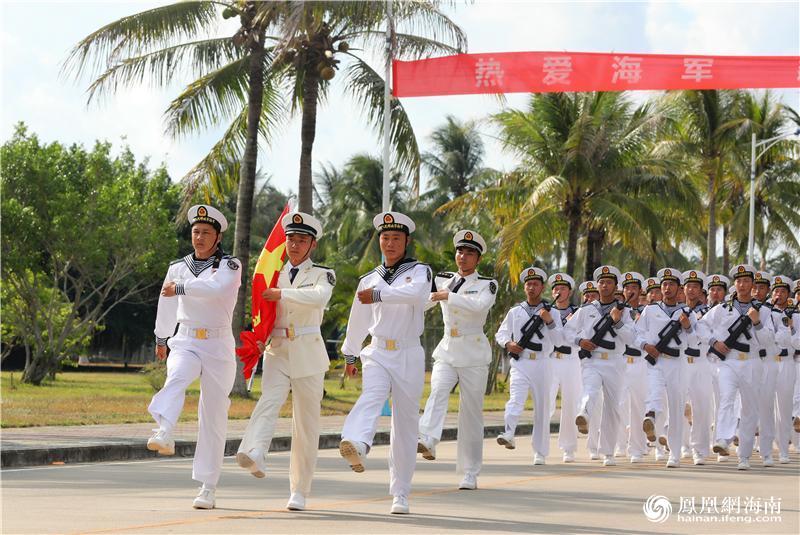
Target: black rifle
(739,327)
(601,328)
(531,327)
(665,336)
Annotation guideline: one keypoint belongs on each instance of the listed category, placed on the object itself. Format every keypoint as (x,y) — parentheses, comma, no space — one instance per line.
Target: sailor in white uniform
(390,306)
(529,333)
(295,360)
(783,364)
(198,295)
(462,357)
(635,390)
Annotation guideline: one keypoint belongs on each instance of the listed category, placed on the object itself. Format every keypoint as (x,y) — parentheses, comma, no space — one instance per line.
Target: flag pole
(387,107)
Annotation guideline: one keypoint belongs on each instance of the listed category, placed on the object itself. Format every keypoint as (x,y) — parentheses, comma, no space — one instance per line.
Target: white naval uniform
(204,347)
(393,362)
(784,369)
(634,440)
(295,360)
(462,357)
(699,387)
(740,373)
(602,374)
(669,373)
(567,378)
(531,373)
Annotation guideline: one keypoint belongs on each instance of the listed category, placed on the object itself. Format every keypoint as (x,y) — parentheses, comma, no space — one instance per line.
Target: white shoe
(636,459)
(723,458)
(673,463)
(721,448)
(400,505)
(427,448)
(569,457)
(162,442)
(609,461)
(582,421)
(660,455)
(538,459)
(206,499)
(353,452)
(744,464)
(784,459)
(470,482)
(649,428)
(507,440)
(297,502)
(253,461)
(698,460)
(593,455)
(686,453)
(769,461)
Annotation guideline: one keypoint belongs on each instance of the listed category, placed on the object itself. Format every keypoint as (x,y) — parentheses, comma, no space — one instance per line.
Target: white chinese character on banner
(557,70)
(488,73)
(697,69)
(627,68)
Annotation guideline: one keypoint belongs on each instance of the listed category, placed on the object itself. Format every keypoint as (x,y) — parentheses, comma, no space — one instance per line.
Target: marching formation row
(684,362)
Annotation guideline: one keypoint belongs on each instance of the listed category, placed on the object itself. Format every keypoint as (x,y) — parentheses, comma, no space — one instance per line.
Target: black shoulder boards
(321,266)
(445,275)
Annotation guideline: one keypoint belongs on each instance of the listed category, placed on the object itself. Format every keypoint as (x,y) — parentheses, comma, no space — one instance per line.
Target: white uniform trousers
(471,382)
(796,401)
(783,412)
(306,399)
(636,394)
(669,375)
(699,395)
(535,377)
(766,391)
(738,377)
(567,378)
(401,375)
(214,362)
(603,382)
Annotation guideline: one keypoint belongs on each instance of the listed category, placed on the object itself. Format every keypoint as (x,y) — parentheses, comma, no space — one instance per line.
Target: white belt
(394,344)
(455,332)
(201,333)
(291,332)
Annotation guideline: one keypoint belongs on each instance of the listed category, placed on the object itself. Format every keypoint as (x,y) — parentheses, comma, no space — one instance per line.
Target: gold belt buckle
(532,356)
(201,334)
(558,355)
(630,360)
(290,332)
(690,360)
(742,356)
(454,332)
(391,345)
(777,358)
(603,356)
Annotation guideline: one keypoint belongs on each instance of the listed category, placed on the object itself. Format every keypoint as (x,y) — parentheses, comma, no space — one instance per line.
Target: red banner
(545,72)
(269,265)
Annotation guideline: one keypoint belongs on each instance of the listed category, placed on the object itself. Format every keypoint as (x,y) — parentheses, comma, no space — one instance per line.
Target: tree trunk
(308,132)
(244,199)
(40,366)
(711,240)
(574,218)
(594,246)
(653,248)
(726,252)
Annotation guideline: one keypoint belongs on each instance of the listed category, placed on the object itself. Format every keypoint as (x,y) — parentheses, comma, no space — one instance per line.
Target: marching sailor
(635,389)
(462,357)
(198,294)
(785,375)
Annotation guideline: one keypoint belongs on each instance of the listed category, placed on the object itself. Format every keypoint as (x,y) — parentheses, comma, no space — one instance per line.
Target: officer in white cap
(740,370)
(795,330)
(295,360)
(602,329)
(529,333)
(663,333)
(699,372)
(462,357)
(785,372)
(390,306)
(652,286)
(198,296)
(761,286)
(589,292)
(717,285)
(566,369)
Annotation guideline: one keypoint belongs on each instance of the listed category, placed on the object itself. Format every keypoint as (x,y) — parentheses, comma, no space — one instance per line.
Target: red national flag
(546,72)
(269,265)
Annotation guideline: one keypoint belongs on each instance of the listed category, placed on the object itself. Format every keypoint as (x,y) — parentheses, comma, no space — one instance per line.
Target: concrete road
(514,497)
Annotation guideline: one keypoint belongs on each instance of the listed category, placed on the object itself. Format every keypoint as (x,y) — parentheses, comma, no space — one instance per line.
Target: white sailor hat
(471,239)
(670,274)
(203,213)
(762,277)
(588,287)
(607,272)
(796,286)
(781,281)
(393,221)
(532,273)
(301,223)
(742,270)
(632,277)
(717,280)
(561,279)
(652,283)
(694,275)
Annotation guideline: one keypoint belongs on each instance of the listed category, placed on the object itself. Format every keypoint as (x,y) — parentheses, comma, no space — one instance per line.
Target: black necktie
(293,274)
(458,285)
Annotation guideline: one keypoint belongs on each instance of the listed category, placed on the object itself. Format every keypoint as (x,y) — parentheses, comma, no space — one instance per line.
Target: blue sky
(35,38)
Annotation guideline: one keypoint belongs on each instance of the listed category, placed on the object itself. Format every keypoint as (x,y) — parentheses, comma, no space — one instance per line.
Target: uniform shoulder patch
(331,278)
(428,274)
(233,264)
(493,287)
(445,274)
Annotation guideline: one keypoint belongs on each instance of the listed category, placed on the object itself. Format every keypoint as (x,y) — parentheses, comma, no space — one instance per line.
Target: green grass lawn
(77,398)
